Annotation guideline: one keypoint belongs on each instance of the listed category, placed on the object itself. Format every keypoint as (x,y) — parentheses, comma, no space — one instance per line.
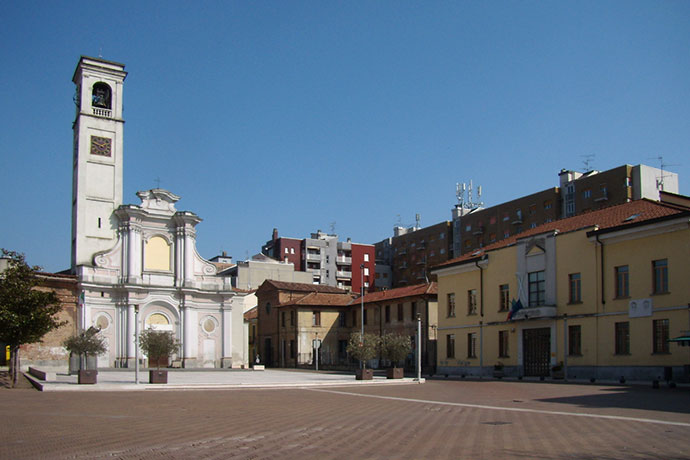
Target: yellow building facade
(595,296)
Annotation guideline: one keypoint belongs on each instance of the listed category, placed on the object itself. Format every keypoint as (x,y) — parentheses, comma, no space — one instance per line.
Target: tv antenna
(332,226)
(660,178)
(588,159)
(418,220)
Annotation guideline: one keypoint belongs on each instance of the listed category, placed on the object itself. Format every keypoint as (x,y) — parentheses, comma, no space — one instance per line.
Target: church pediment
(158,199)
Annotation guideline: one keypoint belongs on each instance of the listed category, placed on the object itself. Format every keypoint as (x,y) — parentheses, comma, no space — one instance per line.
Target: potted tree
(363,348)
(158,345)
(88,343)
(395,348)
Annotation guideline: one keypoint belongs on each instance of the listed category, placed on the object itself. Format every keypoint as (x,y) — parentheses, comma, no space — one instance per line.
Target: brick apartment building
(342,264)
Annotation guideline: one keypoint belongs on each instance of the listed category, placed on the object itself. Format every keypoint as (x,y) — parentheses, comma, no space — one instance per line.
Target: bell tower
(97,163)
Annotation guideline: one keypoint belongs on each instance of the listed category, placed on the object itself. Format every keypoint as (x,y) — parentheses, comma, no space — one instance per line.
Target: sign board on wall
(639,308)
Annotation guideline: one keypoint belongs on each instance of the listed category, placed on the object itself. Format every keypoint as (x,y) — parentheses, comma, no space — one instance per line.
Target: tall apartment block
(474,227)
(331,262)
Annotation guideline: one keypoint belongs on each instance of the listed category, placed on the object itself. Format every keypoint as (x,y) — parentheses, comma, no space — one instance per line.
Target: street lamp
(361,297)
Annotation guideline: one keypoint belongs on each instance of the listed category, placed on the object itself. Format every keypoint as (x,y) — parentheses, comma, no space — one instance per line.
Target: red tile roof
(252,313)
(317,299)
(301,287)
(622,215)
(399,293)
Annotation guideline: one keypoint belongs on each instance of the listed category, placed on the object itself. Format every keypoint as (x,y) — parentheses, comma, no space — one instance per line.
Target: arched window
(101,96)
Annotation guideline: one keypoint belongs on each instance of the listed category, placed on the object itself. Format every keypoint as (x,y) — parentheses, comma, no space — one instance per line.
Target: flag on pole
(516,305)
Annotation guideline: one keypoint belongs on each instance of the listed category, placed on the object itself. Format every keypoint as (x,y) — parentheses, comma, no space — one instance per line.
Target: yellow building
(600,295)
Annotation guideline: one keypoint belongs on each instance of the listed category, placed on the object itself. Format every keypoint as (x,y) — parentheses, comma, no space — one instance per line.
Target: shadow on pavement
(664,399)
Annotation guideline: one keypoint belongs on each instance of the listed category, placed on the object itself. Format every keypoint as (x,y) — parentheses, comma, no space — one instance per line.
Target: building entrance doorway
(536,348)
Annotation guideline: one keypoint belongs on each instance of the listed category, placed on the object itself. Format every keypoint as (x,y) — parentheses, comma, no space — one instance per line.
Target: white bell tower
(97,164)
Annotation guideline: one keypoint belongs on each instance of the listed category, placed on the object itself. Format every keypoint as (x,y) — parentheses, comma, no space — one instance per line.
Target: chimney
(275,234)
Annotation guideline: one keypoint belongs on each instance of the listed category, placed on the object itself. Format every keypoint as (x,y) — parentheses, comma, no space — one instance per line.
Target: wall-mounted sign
(639,308)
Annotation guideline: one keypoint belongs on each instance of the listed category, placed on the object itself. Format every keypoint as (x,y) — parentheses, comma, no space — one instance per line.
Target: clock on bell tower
(97,164)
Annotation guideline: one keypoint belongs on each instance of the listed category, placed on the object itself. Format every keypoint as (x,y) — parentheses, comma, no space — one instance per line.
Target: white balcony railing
(99,112)
(344,260)
(343,274)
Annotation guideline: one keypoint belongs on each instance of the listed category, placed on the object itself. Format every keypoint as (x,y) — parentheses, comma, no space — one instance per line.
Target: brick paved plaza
(438,419)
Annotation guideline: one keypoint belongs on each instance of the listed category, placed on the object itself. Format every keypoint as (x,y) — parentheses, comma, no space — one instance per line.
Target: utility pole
(361,297)
(136,344)
(419,347)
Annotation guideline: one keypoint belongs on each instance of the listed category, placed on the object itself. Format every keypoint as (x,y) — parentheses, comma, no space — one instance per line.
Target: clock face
(100,146)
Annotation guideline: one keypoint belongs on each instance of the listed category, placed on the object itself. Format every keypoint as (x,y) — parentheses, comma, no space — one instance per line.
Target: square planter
(158,376)
(364,374)
(395,373)
(87,377)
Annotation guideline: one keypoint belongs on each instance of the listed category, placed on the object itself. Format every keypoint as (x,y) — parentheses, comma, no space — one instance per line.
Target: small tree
(26,314)
(395,347)
(89,342)
(158,344)
(364,347)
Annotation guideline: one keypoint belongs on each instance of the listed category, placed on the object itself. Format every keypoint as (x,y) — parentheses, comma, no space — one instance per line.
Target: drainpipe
(603,305)
(481,315)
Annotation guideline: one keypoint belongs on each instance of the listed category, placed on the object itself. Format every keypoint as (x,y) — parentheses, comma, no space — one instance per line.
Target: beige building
(601,295)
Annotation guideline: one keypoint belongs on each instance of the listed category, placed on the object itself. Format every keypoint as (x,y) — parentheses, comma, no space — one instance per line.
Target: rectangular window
(400,312)
(472,302)
(366,316)
(388,313)
(660,276)
(354,318)
(316,318)
(292,250)
(366,271)
(413,311)
(341,319)
(537,288)
(366,257)
(622,281)
(660,336)
(502,344)
(587,193)
(472,345)
(574,340)
(504,297)
(282,318)
(292,349)
(547,204)
(451,305)
(622,338)
(292,317)
(450,346)
(574,288)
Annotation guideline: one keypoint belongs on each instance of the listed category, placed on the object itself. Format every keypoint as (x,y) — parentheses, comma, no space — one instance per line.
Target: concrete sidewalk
(185,379)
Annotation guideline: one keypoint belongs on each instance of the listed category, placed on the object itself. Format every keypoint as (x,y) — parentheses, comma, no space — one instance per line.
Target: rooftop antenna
(100,52)
(418,219)
(468,202)
(157,180)
(588,159)
(332,228)
(662,176)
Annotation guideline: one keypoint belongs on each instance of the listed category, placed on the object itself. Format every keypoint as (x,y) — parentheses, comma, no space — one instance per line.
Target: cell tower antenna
(588,159)
(333,228)
(467,202)
(418,220)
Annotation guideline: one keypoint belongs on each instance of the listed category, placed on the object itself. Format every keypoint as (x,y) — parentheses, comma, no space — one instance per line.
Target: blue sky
(296,115)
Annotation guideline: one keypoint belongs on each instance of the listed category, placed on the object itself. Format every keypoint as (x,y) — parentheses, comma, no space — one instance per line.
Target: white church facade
(137,265)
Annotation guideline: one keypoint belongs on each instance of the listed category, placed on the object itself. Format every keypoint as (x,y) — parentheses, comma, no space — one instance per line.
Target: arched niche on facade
(101,96)
(157,254)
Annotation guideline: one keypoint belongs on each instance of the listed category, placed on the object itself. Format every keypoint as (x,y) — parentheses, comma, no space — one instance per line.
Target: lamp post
(361,297)
(419,347)
(136,344)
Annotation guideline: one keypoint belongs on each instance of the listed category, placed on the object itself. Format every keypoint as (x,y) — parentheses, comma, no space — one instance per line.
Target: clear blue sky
(298,114)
